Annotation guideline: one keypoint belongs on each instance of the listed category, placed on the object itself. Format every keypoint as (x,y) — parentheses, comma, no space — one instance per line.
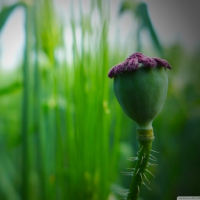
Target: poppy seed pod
(140,86)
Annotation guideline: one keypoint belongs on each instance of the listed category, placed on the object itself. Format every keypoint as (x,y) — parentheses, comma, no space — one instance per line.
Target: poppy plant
(140,86)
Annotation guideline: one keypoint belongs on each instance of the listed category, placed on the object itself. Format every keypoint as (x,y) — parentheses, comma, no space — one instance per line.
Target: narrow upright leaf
(143,15)
(127,5)
(140,10)
(5,13)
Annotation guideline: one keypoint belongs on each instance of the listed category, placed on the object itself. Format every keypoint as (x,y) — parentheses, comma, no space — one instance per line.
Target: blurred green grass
(62,133)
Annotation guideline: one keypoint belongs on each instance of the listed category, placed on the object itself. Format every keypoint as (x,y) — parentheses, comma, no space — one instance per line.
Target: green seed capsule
(140,86)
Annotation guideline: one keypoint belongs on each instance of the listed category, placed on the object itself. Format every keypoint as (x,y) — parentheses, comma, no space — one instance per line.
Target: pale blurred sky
(174,20)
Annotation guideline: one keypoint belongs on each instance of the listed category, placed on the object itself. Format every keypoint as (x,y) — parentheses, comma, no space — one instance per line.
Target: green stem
(145,138)
(26,108)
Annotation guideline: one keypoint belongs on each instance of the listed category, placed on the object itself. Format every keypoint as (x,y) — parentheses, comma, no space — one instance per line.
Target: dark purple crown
(135,61)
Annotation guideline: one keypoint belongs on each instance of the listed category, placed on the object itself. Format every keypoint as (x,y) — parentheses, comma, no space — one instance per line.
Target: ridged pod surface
(140,86)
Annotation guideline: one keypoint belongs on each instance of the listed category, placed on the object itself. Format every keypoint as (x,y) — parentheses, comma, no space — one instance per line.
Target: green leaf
(5,13)
(128,5)
(13,87)
(141,12)
(143,15)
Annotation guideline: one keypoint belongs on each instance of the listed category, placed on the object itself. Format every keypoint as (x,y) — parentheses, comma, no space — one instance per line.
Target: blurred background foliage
(62,133)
